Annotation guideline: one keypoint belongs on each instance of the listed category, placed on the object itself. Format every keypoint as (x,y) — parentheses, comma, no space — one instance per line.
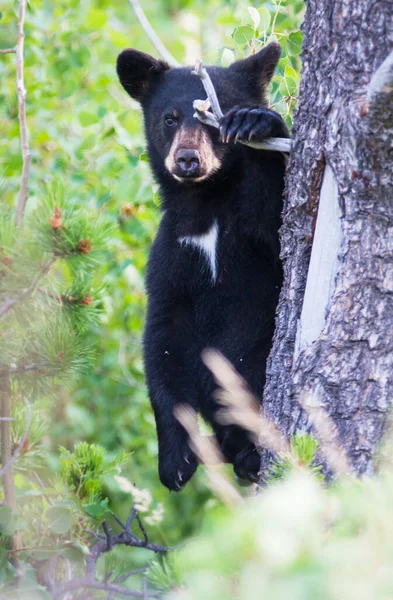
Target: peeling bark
(344,349)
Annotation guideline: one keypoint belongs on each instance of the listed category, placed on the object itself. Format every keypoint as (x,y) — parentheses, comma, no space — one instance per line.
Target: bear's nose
(187,161)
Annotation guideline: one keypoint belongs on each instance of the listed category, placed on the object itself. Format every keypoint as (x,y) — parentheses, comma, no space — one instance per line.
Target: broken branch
(213,118)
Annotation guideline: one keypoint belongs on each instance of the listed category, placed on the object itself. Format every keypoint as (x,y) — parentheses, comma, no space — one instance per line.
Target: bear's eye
(170,120)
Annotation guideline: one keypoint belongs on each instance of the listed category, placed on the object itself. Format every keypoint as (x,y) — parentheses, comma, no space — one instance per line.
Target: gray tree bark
(334,330)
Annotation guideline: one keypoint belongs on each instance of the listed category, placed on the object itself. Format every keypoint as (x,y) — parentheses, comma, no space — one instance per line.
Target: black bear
(214,272)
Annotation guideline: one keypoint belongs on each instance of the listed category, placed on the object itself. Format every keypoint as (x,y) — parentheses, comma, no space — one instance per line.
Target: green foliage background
(86,133)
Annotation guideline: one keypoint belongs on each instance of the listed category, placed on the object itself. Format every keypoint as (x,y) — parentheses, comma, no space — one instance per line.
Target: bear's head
(180,147)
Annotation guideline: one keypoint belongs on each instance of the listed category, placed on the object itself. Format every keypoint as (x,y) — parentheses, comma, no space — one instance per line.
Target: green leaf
(60,519)
(97,509)
(101,112)
(255,16)
(291,85)
(290,72)
(144,157)
(265,18)
(87,118)
(242,35)
(95,18)
(294,43)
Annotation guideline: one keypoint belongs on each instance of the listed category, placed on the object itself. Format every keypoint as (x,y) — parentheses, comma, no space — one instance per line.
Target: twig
(130,573)
(41,484)
(22,369)
(6,466)
(106,544)
(204,76)
(108,536)
(24,136)
(155,40)
(11,302)
(144,588)
(8,51)
(142,528)
(212,118)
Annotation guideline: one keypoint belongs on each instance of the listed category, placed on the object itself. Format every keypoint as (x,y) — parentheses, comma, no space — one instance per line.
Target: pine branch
(24,136)
(213,118)
(105,544)
(155,40)
(8,51)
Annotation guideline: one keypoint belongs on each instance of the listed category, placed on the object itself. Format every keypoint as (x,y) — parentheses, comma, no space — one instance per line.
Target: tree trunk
(334,330)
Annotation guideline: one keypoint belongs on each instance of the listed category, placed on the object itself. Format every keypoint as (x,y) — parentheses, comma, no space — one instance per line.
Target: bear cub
(214,273)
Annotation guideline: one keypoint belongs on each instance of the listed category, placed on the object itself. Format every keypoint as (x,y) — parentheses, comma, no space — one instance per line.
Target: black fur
(187,311)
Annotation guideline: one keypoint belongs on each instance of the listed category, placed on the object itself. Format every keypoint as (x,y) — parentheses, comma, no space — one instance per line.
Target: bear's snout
(188,161)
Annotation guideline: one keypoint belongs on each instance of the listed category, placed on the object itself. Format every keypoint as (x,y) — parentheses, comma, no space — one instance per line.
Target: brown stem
(24,136)
(8,51)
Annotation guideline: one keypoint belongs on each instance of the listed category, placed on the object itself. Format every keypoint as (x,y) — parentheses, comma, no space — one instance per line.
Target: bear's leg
(234,442)
(168,368)
(237,447)
(251,123)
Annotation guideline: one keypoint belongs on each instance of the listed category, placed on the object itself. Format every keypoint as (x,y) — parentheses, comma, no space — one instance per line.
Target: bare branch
(130,573)
(22,442)
(22,369)
(106,544)
(204,76)
(155,40)
(24,137)
(212,118)
(144,588)
(8,51)
(142,528)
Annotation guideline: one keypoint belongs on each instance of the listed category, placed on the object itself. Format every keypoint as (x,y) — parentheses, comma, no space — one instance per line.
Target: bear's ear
(260,66)
(137,70)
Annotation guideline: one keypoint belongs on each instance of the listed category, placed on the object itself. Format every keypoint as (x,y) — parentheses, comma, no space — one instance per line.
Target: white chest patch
(207,244)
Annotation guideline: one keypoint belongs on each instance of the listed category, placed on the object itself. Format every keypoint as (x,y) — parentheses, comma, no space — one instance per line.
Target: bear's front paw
(246,465)
(177,466)
(251,124)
